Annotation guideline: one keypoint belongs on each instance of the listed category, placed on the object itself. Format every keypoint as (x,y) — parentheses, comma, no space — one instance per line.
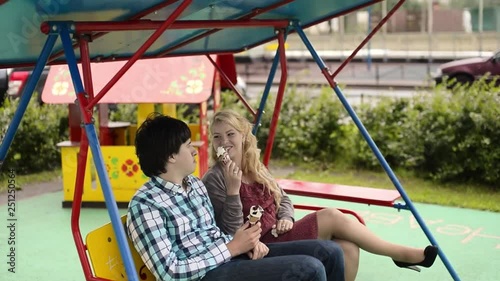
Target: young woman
(244,181)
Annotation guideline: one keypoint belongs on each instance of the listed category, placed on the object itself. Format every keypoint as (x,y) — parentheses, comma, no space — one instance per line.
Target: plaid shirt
(174,230)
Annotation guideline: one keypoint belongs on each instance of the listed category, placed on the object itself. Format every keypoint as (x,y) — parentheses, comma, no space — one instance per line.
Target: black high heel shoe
(430,254)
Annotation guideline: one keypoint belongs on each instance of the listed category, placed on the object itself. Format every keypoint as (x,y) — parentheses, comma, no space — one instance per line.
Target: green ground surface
(470,239)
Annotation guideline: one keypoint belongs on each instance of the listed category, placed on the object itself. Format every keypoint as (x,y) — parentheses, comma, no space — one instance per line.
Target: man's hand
(245,239)
(232,174)
(260,251)
(283,226)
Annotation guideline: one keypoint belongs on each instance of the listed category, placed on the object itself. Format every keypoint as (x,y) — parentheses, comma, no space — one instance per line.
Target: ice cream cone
(255,214)
(222,155)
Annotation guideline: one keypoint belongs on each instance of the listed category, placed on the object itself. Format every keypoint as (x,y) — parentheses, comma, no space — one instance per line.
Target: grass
(26,180)
(419,190)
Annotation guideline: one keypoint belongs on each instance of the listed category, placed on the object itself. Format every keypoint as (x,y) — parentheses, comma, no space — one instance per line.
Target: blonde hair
(251,165)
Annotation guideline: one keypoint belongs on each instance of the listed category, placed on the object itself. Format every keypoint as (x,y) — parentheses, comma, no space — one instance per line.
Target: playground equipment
(130,30)
(156,85)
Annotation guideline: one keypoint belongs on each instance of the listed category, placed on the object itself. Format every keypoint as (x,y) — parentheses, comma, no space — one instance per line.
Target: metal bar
(203,150)
(110,201)
(368,37)
(317,208)
(231,85)
(97,156)
(76,206)
(279,98)
(203,35)
(26,97)
(78,193)
(177,12)
(86,69)
(134,17)
(84,27)
(375,149)
(265,94)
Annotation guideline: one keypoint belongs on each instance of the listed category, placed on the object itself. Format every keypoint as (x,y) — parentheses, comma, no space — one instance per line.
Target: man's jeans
(302,260)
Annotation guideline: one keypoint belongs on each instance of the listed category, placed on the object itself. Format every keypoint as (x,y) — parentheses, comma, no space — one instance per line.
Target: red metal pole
(203,150)
(231,85)
(76,206)
(216,91)
(178,11)
(106,26)
(279,98)
(87,73)
(368,37)
(80,173)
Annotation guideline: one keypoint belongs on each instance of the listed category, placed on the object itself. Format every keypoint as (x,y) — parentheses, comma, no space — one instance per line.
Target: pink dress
(254,194)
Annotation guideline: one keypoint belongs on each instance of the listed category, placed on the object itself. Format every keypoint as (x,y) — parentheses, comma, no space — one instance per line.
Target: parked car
(13,81)
(469,70)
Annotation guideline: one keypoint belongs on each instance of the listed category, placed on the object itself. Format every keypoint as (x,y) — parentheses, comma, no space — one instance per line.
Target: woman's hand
(260,251)
(283,226)
(233,174)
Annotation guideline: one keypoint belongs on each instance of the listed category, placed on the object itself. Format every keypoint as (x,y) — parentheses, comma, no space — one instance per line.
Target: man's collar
(173,187)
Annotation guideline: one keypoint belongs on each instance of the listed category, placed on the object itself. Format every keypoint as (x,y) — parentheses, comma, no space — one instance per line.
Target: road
(358,83)
(401,75)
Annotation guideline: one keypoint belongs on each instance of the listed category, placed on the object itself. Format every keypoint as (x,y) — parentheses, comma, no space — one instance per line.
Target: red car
(468,70)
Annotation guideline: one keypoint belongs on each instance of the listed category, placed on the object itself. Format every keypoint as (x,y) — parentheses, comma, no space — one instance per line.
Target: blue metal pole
(99,160)
(26,96)
(378,154)
(267,88)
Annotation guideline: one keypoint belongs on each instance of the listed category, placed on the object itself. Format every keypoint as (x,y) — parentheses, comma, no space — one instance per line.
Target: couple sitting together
(185,228)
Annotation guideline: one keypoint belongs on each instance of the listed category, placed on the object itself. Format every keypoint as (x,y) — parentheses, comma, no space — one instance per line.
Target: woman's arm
(228,209)
(285,210)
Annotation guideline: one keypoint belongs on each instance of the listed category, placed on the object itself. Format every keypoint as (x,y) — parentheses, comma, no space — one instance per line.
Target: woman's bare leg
(351,255)
(351,259)
(335,224)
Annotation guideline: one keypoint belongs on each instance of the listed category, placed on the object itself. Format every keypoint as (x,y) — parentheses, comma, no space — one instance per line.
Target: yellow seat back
(105,255)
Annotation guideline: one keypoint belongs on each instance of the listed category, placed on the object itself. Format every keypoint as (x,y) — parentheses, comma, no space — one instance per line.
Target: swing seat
(105,258)
(357,194)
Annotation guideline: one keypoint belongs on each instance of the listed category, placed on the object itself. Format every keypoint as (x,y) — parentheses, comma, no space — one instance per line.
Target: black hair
(158,138)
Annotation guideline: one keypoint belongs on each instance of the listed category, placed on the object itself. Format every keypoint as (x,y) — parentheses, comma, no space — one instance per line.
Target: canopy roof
(23,41)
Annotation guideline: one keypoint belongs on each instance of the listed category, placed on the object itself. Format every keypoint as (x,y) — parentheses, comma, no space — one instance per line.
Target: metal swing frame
(83,32)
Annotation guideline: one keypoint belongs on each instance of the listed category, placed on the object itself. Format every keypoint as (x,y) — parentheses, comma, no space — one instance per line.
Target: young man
(171,223)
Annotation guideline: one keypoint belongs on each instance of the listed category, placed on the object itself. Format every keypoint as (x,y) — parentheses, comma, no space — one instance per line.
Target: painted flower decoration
(60,88)
(194,86)
(130,168)
(173,89)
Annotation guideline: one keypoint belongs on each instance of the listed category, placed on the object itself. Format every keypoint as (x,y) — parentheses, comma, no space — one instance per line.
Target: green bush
(461,133)
(447,136)
(34,146)
(124,112)
(444,135)
(385,124)
(317,132)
